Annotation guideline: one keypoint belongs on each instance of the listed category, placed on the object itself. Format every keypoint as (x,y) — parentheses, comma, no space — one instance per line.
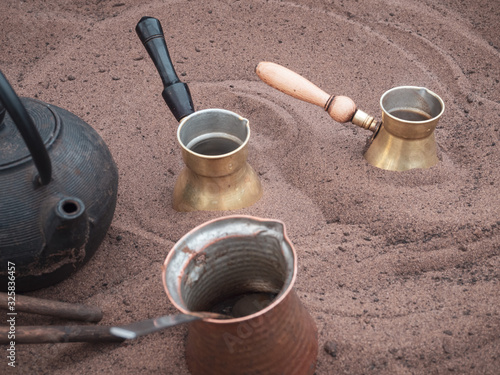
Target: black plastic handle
(175,93)
(27,128)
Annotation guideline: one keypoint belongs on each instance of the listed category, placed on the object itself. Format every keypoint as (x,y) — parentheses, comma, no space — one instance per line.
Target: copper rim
(287,287)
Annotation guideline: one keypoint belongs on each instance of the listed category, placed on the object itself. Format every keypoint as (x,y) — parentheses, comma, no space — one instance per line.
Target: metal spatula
(134,330)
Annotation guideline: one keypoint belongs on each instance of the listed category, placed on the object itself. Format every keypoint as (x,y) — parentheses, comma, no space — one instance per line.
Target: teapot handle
(2,114)
(27,128)
(175,93)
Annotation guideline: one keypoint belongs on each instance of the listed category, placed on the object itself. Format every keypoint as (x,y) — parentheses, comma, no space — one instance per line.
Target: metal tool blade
(134,330)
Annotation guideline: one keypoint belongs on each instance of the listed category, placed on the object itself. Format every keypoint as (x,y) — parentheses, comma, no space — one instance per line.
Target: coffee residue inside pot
(244,304)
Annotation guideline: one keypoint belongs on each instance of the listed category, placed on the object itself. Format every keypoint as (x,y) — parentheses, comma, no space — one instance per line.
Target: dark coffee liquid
(215,146)
(410,115)
(244,304)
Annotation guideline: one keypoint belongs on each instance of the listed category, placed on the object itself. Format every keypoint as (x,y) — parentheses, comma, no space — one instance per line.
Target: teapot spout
(68,228)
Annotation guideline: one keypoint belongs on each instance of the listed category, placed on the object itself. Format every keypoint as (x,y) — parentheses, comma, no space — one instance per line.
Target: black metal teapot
(58,190)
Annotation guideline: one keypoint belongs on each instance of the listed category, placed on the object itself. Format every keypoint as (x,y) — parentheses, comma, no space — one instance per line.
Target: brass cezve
(403,140)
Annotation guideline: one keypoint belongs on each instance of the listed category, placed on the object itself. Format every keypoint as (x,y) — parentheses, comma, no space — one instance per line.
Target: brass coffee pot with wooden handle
(403,140)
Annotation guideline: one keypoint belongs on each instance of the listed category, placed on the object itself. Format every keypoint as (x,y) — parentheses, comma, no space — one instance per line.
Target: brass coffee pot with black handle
(214,141)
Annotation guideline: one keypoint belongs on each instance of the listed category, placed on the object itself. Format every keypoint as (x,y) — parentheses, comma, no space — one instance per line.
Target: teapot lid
(13,150)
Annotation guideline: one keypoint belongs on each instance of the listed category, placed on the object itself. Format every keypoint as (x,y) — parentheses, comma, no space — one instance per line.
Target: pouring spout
(69,225)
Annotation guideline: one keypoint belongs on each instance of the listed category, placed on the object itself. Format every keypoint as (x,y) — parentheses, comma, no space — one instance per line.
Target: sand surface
(400,270)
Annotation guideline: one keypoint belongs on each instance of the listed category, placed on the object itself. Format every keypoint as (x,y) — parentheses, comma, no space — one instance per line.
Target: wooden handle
(52,308)
(55,334)
(340,108)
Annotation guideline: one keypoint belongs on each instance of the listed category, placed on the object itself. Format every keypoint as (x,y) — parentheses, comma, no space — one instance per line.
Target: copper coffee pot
(244,267)
(403,140)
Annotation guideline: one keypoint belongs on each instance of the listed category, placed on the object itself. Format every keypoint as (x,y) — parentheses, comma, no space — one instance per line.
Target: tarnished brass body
(402,141)
(234,256)
(219,180)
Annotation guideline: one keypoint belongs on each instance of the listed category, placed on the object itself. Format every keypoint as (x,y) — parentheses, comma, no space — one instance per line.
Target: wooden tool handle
(52,308)
(56,334)
(340,108)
